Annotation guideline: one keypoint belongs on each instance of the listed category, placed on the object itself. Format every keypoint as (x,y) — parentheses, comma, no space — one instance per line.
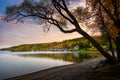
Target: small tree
(55,12)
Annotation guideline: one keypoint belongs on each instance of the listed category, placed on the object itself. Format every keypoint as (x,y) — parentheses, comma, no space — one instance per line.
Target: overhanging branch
(72,19)
(58,7)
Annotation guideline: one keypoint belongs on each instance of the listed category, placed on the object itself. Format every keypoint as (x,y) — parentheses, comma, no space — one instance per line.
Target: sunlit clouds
(77,3)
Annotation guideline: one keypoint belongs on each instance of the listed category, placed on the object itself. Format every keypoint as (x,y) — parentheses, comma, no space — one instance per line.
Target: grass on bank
(88,54)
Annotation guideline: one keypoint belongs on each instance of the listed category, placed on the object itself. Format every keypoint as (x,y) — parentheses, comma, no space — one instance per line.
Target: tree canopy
(107,18)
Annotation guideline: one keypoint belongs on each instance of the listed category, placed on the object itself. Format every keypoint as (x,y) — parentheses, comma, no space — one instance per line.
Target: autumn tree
(107,19)
(51,12)
(96,22)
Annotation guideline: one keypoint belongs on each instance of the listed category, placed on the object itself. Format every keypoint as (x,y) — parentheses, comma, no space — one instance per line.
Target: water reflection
(14,64)
(72,57)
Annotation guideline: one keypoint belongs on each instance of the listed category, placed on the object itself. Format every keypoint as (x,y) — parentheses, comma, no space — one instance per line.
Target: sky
(12,34)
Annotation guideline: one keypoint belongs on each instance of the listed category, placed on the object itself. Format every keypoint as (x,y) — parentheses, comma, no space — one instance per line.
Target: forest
(80,43)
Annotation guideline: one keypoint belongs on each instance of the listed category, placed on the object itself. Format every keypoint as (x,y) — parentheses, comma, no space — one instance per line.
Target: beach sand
(77,71)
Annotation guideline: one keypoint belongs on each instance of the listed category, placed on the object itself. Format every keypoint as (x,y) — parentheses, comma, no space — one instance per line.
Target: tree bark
(111,46)
(102,51)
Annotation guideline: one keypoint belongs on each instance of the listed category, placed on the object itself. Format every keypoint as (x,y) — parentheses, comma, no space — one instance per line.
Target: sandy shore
(78,71)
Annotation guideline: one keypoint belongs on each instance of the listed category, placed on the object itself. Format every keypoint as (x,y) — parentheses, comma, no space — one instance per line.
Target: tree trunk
(102,51)
(111,46)
(118,47)
(117,41)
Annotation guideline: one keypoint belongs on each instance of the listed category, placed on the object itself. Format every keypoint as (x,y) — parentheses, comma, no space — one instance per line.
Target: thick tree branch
(65,8)
(58,8)
(56,23)
(65,31)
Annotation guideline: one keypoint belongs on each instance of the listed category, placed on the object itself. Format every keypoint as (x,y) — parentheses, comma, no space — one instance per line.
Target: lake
(19,63)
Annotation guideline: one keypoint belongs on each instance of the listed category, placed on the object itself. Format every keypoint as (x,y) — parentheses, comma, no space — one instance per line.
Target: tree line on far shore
(72,44)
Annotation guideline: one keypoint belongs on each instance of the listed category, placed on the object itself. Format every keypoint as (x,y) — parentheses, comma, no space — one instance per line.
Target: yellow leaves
(92,49)
(113,31)
(94,55)
(70,44)
(104,47)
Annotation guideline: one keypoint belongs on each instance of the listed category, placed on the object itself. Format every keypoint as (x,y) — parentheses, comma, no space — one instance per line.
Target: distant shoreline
(36,52)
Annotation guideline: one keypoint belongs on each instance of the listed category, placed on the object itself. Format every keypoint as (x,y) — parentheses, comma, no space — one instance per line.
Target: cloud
(77,3)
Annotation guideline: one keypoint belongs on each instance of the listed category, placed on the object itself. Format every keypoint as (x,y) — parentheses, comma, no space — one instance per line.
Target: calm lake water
(19,63)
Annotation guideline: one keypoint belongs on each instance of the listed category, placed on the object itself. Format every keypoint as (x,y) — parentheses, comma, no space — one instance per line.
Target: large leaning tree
(52,12)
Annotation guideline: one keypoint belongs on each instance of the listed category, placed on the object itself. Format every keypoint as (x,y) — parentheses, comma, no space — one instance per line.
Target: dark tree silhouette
(55,12)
